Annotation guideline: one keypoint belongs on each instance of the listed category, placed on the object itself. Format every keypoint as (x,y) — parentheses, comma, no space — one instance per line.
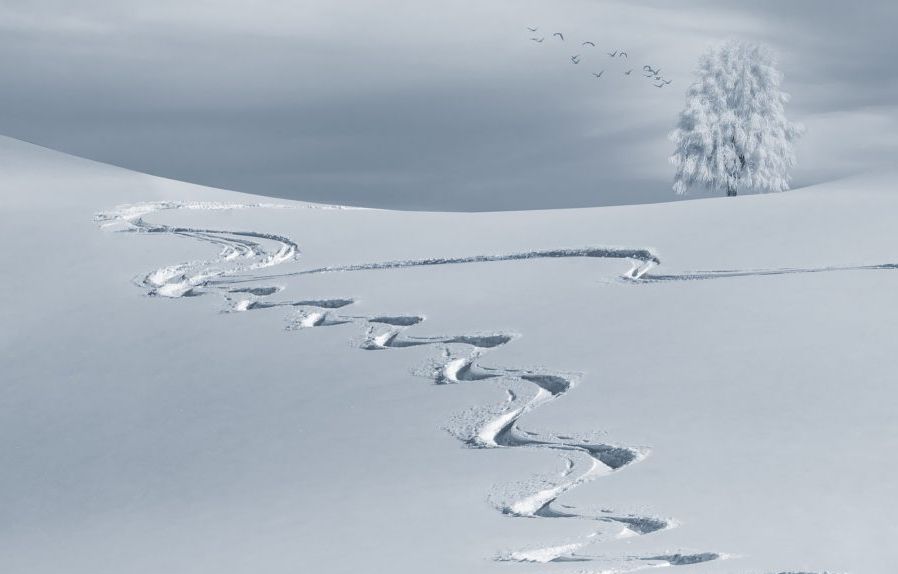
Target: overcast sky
(427,105)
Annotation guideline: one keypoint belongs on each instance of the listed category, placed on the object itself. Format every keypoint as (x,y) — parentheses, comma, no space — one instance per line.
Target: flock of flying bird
(654,74)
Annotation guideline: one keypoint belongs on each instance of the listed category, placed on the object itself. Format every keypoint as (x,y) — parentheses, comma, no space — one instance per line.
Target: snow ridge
(243,253)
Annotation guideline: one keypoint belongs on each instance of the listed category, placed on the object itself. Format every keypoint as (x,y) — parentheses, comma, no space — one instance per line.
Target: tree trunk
(731,191)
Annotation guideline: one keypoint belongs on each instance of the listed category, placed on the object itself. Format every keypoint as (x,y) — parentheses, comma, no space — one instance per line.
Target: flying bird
(666,82)
(628,72)
(660,85)
(588,43)
(538,40)
(560,35)
(650,71)
(624,55)
(575,59)
(599,75)
(612,54)
(533,29)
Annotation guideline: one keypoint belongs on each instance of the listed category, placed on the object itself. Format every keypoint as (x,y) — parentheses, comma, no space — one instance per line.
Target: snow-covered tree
(733,133)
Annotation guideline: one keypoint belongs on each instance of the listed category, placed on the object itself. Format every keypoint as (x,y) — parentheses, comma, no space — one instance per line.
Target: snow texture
(220,423)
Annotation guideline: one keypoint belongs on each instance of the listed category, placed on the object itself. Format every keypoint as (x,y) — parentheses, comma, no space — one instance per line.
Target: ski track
(493,426)
(732,273)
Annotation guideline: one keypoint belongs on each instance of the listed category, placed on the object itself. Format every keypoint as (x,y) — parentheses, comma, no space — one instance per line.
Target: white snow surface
(195,380)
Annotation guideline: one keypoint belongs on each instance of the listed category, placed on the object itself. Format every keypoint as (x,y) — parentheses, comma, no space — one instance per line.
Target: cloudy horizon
(442,107)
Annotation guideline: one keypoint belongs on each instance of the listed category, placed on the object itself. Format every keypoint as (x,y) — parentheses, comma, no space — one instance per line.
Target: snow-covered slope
(197,380)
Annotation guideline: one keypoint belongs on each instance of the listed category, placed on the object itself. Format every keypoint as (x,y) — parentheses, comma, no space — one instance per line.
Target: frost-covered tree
(733,133)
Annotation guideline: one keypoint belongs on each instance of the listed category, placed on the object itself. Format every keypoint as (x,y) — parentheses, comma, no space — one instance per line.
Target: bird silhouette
(588,43)
(533,29)
(538,40)
(660,85)
(599,75)
(650,71)
(560,35)
(624,55)
(628,72)
(575,59)
(612,54)
(667,82)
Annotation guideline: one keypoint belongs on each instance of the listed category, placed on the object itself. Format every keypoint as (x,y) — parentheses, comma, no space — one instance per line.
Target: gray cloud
(422,105)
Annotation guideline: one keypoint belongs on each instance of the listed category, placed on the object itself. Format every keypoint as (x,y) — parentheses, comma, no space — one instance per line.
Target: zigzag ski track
(234,276)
